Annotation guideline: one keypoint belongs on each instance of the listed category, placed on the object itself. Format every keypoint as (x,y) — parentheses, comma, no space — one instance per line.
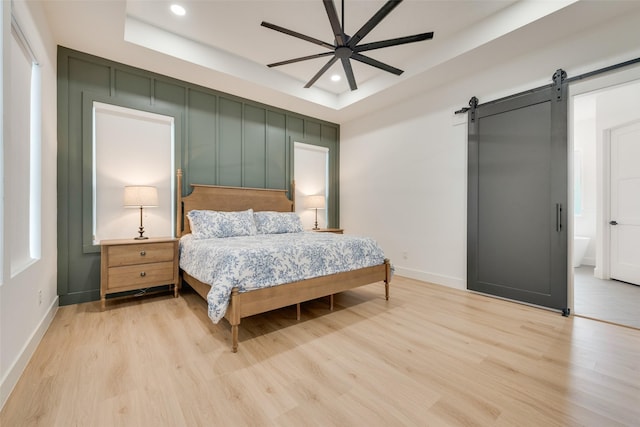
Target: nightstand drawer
(140,275)
(140,254)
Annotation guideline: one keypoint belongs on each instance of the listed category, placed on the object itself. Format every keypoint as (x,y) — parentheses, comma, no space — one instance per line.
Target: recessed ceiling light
(335,78)
(178,10)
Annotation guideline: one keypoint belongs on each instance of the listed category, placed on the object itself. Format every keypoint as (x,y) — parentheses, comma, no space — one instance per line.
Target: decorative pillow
(215,224)
(277,222)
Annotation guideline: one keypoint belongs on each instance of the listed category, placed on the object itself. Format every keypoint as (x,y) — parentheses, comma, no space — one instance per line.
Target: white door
(624,222)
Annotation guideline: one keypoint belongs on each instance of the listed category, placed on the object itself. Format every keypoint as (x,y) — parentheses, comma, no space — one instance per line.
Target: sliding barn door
(517,198)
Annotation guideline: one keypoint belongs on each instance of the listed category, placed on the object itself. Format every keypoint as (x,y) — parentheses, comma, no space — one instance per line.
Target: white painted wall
(403,181)
(403,170)
(585,143)
(23,320)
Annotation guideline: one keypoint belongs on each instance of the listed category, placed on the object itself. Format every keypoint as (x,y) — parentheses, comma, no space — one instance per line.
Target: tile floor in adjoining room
(608,300)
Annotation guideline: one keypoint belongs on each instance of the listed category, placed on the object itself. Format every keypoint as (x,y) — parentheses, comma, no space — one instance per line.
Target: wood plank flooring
(430,356)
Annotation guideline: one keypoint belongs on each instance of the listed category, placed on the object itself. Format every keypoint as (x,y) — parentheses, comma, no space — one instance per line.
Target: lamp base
(141,230)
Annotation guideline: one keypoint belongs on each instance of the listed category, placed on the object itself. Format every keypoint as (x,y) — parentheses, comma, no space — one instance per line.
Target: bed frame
(262,300)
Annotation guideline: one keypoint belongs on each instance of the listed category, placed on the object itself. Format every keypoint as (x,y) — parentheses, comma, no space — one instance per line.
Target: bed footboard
(262,300)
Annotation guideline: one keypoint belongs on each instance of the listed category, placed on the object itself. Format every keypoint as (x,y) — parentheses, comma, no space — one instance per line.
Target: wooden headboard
(219,198)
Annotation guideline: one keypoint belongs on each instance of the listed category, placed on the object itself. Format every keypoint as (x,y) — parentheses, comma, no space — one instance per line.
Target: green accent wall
(220,139)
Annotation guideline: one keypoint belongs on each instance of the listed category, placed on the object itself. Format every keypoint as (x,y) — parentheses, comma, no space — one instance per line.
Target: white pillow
(207,224)
(277,222)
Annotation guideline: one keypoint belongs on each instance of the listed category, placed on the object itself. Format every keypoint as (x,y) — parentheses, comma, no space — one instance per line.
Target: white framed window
(131,147)
(311,174)
(23,176)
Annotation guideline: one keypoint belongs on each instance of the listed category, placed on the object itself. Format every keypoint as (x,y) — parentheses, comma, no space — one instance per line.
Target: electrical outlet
(40,297)
(405,255)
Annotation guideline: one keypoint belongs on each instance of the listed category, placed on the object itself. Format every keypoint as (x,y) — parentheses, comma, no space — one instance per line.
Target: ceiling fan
(347,47)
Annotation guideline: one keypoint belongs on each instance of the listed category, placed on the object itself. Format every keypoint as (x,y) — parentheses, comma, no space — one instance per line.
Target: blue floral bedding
(263,260)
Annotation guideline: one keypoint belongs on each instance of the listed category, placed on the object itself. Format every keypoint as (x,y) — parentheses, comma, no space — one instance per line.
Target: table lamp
(140,196)
(315,202)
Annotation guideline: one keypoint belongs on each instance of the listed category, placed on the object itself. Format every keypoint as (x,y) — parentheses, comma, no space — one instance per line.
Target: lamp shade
(136,196)
(314,202)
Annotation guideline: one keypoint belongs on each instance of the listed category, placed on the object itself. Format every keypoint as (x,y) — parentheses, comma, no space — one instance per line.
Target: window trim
(34,198)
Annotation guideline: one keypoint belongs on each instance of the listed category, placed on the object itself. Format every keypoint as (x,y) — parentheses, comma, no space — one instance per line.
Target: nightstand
(329,230)
(129,264)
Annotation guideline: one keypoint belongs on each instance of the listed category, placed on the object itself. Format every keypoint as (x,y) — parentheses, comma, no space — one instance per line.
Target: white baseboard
(13,375)
(438,279)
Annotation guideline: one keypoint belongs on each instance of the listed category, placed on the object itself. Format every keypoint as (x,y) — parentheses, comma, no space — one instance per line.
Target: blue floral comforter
(263,260)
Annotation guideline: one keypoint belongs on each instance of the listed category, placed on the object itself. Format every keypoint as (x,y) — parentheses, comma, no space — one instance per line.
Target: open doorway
(601,109)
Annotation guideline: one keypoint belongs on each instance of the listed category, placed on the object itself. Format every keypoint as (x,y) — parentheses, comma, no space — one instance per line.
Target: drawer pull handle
(143,274)
(142,253)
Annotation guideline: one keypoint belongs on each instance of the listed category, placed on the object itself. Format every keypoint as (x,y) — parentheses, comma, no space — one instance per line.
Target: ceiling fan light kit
(346,48)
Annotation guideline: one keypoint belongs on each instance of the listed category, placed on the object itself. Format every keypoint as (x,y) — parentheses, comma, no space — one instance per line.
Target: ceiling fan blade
(377,64)
(394,42)
(371,23)
(349,73)
(303,58)
(321,72)
(335,22)
(297,35)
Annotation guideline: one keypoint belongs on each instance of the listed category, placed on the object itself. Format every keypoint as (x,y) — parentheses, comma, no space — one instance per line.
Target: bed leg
(234,318)
(234,338)
(298,311)
(331,302)
(387,278)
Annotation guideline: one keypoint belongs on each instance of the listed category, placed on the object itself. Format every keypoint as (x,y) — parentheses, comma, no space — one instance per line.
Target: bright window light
(178,10)
(22,200)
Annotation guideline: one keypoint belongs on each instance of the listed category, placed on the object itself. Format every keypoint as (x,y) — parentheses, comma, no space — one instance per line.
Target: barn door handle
(613,222)
(558,217)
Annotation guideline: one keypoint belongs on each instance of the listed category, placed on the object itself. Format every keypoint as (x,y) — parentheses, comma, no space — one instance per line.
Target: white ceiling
(234,27)
(220,43)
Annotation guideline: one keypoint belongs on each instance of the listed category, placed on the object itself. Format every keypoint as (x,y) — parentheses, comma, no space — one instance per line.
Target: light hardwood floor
(430,356)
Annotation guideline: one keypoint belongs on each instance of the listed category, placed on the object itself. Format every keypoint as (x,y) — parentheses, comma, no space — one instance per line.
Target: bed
(244,303)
